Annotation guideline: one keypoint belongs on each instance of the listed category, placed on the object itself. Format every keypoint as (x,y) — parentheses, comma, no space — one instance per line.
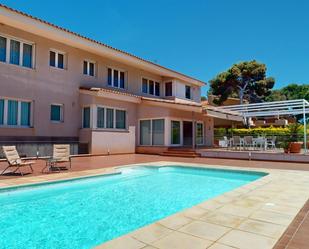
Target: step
(175,154)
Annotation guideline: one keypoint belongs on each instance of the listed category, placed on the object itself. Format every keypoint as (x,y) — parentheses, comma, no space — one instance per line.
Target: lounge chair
(248,142)
(14,160)
(61,154)
(236,142)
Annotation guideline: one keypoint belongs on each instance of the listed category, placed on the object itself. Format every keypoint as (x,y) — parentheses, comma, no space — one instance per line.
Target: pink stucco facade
(44,85)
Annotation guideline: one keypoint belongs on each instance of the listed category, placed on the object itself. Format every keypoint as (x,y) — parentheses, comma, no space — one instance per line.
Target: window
(19,53)
(56,59)
(188,92)
(115,78)
(56,112)
(199,133)
(2,49)
(12,112)
(158,132)
(89,68)
(145,132)
(150,87)
(15,112)
(120,119)
(1,111)
(25,114)
(152,132)
(168,89)
(109,118)
(144,85)
(175,132)
(86,117)
(100,117)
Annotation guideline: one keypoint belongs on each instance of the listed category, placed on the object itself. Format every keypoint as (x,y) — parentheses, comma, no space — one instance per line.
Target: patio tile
(262,228)
(205,230)
(245,240)
(150,233)
(182,241)
(220,246)
(210,205)
(283,209)
(237,210)
(273,217)
(122,242)
(223,219)
(195,212)
(175,221)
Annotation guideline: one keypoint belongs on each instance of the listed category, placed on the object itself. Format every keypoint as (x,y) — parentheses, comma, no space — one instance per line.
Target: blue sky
(198,38)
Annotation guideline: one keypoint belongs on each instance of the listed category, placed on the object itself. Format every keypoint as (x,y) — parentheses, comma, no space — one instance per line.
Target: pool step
(181,152)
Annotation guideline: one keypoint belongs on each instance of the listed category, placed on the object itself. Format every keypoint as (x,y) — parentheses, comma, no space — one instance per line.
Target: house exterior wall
(45,85)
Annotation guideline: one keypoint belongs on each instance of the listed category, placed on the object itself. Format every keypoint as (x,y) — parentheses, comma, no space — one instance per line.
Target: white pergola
(273,109)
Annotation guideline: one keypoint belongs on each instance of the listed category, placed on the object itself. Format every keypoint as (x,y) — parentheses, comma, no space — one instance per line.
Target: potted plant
(293,145)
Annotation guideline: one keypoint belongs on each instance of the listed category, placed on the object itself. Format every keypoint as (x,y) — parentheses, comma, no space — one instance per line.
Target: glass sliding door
(145,132)
(175,132)
(199,133)
(158,132)
(109,118)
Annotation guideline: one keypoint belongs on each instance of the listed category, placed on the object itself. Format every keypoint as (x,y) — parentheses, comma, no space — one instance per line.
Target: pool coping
(254,215)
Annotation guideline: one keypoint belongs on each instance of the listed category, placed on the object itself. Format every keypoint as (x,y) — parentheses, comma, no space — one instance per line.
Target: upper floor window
(56,113)
(188,92)
(168,89)
(15,112)
(16,52)
(89,68)
(116,78)
(56,59)
(150,87)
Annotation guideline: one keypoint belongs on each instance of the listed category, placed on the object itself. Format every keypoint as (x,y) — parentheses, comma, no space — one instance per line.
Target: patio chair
(225,143)
(248,142)
(14,160)
(271,143)
(236,142)
(61,154)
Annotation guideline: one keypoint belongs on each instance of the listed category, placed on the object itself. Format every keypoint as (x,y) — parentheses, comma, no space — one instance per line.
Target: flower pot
(295,147)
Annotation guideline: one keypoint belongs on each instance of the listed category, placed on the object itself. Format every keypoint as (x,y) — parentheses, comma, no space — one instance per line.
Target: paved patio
(257,213)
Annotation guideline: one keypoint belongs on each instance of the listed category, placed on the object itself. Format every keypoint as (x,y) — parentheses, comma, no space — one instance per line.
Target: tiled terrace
(253,216)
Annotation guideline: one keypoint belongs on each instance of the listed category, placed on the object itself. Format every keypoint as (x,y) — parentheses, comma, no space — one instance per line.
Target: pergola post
(305,126)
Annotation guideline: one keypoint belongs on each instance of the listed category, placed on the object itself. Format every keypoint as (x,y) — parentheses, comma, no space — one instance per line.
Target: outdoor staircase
(181,152)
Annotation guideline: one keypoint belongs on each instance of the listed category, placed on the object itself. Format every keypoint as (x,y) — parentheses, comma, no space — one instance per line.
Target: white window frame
(114,117)
(88,67)
(139,131)
(154,86)
(57,52)
(21,50)
(61,113)
(5,113)
(119,71)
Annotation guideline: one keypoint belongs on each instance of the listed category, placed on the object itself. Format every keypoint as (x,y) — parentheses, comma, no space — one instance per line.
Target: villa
(58,86)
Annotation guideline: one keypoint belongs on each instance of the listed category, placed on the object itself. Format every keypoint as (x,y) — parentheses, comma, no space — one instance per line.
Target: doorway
(187,133)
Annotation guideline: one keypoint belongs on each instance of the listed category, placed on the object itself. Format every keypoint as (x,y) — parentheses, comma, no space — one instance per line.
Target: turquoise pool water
(87,212)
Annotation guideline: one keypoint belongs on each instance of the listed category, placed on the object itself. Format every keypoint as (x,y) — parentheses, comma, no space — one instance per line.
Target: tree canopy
(245,80)
(291,91)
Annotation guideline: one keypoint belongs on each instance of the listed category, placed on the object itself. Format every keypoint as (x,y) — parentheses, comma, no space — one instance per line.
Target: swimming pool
(87,212)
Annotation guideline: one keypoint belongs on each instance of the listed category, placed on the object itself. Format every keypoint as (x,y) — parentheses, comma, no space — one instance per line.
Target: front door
(187,133)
